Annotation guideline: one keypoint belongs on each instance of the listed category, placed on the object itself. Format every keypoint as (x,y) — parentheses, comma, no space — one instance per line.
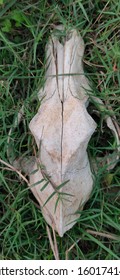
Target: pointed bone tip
(62,229)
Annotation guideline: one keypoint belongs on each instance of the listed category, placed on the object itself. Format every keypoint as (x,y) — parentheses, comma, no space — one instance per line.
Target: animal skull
(62,129)
(60,177)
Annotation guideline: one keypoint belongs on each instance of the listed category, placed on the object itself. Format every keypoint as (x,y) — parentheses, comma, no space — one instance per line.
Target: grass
(24,30)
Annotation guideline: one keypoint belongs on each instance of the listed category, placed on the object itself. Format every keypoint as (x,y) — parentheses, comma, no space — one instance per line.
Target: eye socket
(102,141)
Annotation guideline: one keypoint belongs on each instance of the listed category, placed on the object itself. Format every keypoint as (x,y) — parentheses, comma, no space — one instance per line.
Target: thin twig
(68,251)
(12,168)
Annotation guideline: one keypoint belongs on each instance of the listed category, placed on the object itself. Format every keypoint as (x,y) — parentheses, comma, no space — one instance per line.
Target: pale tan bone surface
(62,129)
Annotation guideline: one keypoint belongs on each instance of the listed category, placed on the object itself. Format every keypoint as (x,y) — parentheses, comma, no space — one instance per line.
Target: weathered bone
(60,178)
(62,129)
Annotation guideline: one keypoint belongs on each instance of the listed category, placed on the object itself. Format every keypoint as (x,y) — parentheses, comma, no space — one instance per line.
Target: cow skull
(60,177)
(62,129)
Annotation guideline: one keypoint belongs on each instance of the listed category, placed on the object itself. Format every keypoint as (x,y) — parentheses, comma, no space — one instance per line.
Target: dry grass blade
(100,15)
(53,244)
(103,234)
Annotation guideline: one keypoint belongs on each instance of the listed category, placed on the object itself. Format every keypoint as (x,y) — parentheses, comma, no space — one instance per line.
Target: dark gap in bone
(62,35)
(63,38)
(102,137)
(91,109)
(34,200)
(53,49)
